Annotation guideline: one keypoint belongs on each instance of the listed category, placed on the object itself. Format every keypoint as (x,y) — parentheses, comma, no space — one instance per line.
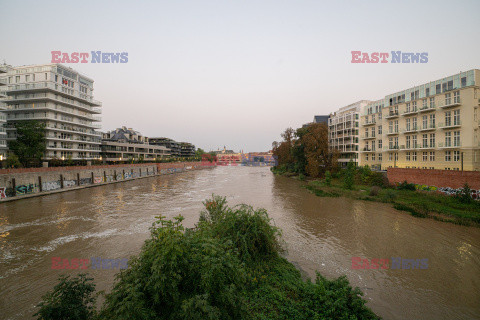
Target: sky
(237,73)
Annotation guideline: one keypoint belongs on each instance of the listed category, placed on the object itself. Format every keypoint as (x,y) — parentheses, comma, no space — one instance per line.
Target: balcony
(369,122)
(392,132)
(449,125)
(53,86)
(3,81)
(427,108)
(367,137)
(410,112)
(391,148)
(412,146)
(426,146)
(411,129)
(3,69)
(446,145)
(368,149)
(62,100)
(428,127)
(449,102)
(391,115)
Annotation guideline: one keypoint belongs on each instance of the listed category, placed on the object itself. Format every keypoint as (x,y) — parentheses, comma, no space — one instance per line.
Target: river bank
(403,197)
(17,184)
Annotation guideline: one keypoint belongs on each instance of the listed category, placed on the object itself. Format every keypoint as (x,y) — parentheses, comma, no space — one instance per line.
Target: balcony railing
(450,144)
(449,102)
(410,111)
(53,86)
(392,114)
(392,132)
(411,129)
(428,127)
(427,108)
(451,124)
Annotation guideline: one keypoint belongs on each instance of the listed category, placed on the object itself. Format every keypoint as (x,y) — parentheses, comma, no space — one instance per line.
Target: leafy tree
(318,154)
(30,145)
(199,152)
(71,299)
(464,195)
(349,176)
(12,161)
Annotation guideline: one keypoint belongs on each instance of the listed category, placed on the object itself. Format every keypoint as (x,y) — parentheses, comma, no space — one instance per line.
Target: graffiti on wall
(69,183)
(97,179)
(2,193)
(84,181)
(50,185)
(128,175)
(447,190)
(109,179)
(119,176)
(26,189)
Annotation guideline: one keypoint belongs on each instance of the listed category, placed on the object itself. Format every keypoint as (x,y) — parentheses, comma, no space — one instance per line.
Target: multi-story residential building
(173,146)
(432,126)
(371,134)
(3,116)
(187,149)
(124,144)
(317,119)
(343,131)
(62,99)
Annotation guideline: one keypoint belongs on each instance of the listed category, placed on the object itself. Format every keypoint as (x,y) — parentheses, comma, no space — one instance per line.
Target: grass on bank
(370,186)
(228,267)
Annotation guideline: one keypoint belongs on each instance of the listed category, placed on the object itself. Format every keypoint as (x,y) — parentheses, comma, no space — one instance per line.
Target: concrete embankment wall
(24,183)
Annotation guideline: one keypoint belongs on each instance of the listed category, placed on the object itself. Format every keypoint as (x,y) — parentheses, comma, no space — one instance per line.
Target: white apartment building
(343,132)
(3,116)
(62,99)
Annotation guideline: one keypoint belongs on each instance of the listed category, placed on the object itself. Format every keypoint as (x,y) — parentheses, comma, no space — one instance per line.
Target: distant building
(187,149)
(124,144)
(224,151)
(317,119)
(343,127)
(172,145)
(259,159)
(3,117)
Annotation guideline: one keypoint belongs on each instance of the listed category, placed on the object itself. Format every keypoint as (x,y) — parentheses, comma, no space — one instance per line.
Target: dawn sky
(237,73)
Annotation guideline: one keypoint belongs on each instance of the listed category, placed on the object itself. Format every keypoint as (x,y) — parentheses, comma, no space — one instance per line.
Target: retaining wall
(22,183)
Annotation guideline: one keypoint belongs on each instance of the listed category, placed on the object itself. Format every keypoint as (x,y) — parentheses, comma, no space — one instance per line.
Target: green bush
(374,191)
(389,195)
(464,195)
(406,186)
(301,177)
(71,299)
(349,176)
(328,178)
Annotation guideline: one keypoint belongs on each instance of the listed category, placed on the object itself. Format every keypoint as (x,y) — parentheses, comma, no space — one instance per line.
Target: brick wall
(437,178)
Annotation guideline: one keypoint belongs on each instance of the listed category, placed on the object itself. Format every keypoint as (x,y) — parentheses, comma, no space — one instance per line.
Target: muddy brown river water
(321,234)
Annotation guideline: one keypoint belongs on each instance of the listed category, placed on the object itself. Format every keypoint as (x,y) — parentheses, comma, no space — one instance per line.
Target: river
(321,234)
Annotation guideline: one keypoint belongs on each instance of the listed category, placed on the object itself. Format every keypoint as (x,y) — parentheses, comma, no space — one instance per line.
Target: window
(448,99)
(448,118)
(408,124)
(432,102)
(424,103)
(464,81)
(396,142)
(456,97)
(456,139)
(448,139)
(396,125)
(407,156)
(414,156)
(414,123)
(390,126)
(425,156)
(432,156)
(414,141)
(408,142)
(448,156)
(379,129)
(456,117)
(380,157)
(379,144)
(438,89)
(396,156)
(456,155)
(425,140)
(17,79)
(366,157)
(425,122)
(33,77)
(373,156)
(390,156)
(432,140)
(27,78)
(414,105)
(390,143)
(46,76)
(432,120)
(408,107)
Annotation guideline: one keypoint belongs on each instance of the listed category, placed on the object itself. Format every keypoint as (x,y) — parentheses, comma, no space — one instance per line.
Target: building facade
(187,149)
(432,126)
(62,99)
(125,144)
(343,132)
(172,145)
(3,116)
